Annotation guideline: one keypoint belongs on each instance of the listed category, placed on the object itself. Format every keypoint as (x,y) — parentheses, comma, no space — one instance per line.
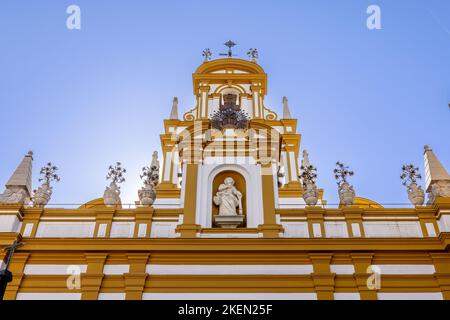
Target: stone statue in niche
(229,200)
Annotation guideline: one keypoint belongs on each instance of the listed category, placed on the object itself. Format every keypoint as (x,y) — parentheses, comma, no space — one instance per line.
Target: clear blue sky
(86,99)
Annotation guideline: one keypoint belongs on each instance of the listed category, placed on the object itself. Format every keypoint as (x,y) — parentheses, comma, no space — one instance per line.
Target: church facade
(232,212)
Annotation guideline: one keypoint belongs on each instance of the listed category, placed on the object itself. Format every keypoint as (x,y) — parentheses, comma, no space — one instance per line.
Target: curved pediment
(223,66)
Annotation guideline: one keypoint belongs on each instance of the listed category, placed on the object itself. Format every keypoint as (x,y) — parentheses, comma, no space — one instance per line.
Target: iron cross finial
(230,44)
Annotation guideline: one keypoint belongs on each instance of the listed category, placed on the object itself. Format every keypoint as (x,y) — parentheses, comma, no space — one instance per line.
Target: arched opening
(240,184)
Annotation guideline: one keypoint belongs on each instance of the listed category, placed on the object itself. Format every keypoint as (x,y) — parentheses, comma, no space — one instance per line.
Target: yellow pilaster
(257,107)
(144,217)
(322,277)
(204,92)
(31,216)
(189,228)
(315,216)
(136,278)
(361,262)
(353,216)
(17,268)
(167,187)
(91,281)
(104,217)
(270,228)
(441,263)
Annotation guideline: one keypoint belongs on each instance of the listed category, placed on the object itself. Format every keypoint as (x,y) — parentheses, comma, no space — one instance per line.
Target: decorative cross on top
(10,252)
(230,44)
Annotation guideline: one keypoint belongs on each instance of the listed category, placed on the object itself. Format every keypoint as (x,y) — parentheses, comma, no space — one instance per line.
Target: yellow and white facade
(285,249)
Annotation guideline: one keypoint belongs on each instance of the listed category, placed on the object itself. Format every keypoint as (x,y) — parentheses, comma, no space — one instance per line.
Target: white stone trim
(347,296)
(342,268)
(444,223)
(101,233)
(65,230)
(111,296)
(28,230)
(334,219)
(67,219)
(163,229)
(175,164)
(356,230)
(167,166)
(229,269)
(393,229)
(171,203)
(430,229)
(9,223)
(228,235)
(336,229)
(317,230)
(122,230)
(52,269)
(116,269)
(391,218)
(293,166)
(123,219)
(295,229)
(406,269)
(286,219)
(230,296)
(410,296)
(142,230)
(63,296)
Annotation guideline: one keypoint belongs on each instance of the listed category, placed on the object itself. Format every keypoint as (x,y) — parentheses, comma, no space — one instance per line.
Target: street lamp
(5,275)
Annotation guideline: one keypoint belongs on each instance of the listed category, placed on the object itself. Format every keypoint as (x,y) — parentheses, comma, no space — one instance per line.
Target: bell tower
(230,163)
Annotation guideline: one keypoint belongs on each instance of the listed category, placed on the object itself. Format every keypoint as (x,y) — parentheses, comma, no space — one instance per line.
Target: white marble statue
(228,198)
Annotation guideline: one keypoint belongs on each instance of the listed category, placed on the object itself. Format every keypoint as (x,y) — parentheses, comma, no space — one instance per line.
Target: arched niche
(253,186)
(240,184)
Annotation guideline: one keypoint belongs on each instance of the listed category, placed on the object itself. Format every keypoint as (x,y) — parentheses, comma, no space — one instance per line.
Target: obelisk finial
(174,111)
(286,111)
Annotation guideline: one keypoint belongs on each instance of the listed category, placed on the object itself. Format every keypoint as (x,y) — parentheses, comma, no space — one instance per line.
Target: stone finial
(305,160)
(253,54)
(410,176)
(207,54)
(174,111)
(150,177)
(346,191)
(437,179)
(44,193)
(111,196)
(308,177)
(286,111)
(18,188)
